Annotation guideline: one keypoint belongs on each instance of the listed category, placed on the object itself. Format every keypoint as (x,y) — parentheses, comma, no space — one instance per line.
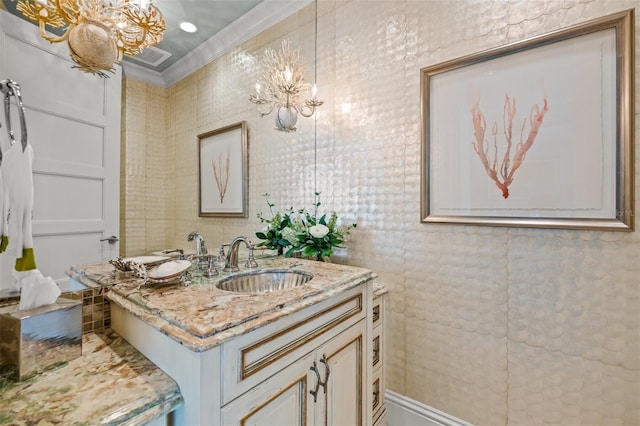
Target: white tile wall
(492,325)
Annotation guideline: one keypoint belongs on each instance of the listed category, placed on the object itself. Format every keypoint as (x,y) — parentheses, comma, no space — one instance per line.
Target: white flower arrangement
(303,234)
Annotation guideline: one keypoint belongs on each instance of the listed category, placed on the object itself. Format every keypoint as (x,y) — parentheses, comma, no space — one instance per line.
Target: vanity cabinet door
(325,387)
(283,399)
(341,364)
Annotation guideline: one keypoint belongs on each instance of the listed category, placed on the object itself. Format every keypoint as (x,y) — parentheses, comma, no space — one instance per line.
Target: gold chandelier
(280,86)
(98,32)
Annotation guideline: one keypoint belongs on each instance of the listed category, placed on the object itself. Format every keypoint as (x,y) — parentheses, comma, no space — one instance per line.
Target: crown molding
(257,20)
(146,75)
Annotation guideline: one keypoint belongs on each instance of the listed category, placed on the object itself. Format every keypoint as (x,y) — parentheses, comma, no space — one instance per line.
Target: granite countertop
(111,383)
(201,316)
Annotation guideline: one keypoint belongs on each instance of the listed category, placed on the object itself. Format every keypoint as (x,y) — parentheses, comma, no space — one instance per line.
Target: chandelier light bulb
(142,4)
(314,90)
(288,74)
(258,88)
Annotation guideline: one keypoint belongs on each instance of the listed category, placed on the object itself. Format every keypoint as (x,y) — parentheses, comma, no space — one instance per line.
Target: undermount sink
(264,281)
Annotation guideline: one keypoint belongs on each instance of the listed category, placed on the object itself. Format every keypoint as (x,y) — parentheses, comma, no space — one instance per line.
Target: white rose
(290,235)
(318,231)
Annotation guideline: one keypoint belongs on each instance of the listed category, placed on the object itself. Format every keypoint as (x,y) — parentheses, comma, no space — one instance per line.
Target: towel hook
(11,88)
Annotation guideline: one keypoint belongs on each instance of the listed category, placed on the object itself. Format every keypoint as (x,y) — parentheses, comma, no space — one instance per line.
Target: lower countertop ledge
(111,383)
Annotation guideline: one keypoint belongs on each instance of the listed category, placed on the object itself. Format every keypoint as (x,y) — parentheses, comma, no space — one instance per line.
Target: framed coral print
(538,133)
(223,172)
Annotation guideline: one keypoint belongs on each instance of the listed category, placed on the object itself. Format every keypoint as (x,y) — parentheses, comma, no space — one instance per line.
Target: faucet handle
(177,250)
(211,269)
(251,260)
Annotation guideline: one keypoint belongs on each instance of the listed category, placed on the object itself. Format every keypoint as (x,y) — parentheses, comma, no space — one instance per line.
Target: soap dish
(168,270)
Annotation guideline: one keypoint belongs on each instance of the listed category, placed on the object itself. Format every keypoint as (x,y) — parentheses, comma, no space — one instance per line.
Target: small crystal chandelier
(280,86)
(98,32)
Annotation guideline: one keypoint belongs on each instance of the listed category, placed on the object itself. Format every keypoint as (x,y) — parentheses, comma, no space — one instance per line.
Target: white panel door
(73,123)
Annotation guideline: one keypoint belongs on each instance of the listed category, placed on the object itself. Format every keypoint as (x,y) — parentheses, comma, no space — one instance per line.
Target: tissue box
(32,340)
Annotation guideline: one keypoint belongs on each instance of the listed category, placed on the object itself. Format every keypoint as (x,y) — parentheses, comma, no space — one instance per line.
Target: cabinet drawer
(377,311)
(377,391)
(252,358)
(377,350)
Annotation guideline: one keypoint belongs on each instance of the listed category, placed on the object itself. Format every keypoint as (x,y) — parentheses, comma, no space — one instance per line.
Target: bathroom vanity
(303,355)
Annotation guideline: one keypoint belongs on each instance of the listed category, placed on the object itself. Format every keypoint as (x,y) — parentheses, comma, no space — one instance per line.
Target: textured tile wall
(147,189)
(493,325)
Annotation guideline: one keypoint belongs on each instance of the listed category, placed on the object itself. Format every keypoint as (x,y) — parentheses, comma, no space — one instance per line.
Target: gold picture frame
(538,133)
(223,172)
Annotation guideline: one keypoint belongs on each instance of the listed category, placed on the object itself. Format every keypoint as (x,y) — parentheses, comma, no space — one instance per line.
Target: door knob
(112,239)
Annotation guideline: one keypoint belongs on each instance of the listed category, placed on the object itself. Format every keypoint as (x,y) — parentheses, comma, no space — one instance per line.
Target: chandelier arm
(112,8)
(308,112)
(51,39)
(128,46)
(264,112)
(63,13)
(143,38)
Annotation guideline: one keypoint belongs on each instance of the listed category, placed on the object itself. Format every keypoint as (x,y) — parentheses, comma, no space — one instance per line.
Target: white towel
(17,179)
(35,289)
(4,228)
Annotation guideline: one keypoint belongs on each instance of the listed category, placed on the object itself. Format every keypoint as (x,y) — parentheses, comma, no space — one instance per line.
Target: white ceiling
(210,16)
(222,25)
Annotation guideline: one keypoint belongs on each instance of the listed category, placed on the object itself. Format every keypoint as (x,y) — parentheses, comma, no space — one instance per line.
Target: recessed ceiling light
(188,27)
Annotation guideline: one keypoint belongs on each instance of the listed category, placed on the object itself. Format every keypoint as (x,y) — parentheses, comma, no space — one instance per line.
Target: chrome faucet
(201,249)
(232,256)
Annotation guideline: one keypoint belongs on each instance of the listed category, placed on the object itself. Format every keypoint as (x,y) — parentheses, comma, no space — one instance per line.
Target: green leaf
(261,235)
(283,242)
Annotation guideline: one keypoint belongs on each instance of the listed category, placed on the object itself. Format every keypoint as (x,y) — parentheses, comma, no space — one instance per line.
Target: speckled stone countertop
(111,384)
(201,316)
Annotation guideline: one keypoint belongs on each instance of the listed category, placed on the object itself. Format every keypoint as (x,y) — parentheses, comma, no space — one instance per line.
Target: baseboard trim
(401,407)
